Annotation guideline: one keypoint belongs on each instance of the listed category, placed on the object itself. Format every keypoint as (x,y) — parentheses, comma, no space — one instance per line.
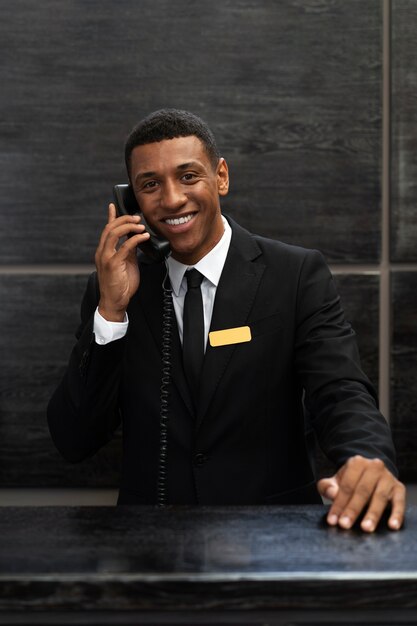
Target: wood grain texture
(291,89)
(38,317)
(404,371)
(404,136)
(202,559)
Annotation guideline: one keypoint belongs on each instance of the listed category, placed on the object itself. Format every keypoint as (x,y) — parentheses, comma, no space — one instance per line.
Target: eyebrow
(186,166)
(143,175)
(180,168)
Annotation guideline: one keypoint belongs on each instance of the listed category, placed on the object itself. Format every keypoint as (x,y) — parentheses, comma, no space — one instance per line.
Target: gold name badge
(229,336)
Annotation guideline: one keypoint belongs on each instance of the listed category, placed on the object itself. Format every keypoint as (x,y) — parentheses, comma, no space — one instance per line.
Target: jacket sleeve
(83,412)
(340,399)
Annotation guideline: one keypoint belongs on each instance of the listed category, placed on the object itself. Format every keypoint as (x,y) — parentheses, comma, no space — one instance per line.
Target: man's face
(178,191)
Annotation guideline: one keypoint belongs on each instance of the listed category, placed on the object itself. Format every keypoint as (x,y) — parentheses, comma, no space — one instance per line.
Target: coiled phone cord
(167,311)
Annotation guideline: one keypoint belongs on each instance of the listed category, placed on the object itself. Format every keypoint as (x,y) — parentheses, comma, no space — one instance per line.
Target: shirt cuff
(105,331)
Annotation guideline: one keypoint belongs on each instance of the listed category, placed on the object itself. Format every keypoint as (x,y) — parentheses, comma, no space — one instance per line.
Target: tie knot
(194,278)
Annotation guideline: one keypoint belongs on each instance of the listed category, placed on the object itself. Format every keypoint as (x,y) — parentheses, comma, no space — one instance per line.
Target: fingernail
(395,523)
(368,524)
(332,519)
(345,521)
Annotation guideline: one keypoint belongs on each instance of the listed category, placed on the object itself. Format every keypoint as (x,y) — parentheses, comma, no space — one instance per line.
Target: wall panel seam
(384,303)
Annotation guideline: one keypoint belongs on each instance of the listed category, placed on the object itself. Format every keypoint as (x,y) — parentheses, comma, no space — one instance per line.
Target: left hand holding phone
(116,263)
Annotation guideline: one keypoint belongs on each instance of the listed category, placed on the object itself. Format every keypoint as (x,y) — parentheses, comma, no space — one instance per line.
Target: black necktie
(193,331)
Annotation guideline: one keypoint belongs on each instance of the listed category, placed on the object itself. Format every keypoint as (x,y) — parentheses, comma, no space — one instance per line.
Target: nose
(172,196)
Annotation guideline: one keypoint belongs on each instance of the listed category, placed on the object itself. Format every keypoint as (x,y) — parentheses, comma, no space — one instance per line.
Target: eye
(189,177)
(150,184)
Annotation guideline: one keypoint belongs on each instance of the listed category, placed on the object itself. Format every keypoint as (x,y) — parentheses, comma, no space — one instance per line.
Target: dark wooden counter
(242,565)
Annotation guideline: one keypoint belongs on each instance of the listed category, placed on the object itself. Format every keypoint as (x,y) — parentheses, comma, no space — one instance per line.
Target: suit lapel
(235,296)
(150,297)
(234,300)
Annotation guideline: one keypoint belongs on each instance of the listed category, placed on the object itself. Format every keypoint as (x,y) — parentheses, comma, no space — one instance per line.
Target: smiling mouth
(176,221)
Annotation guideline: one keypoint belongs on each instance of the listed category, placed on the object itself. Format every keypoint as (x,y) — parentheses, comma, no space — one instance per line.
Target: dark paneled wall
(404,234)
(38,317)
(292,91)
(404,135)
(404,369)
(281,83)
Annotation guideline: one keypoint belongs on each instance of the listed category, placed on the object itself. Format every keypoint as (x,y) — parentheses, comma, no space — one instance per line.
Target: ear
(222,177)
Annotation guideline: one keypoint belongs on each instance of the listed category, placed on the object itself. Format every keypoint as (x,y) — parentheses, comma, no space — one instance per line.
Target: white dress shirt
(210,266)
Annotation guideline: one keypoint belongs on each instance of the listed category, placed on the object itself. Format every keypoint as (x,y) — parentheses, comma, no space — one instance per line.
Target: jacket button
(200,459)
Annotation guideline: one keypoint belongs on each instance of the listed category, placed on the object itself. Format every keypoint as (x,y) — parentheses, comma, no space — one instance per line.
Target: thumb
(328,487)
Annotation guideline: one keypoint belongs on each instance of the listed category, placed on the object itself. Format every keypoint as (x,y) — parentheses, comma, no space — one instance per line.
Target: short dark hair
(169,124)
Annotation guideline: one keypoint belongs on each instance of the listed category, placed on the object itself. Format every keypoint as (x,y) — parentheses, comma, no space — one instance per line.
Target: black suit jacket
(245,443)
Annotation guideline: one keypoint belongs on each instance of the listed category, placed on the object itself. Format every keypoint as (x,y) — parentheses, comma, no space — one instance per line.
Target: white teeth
(179,220)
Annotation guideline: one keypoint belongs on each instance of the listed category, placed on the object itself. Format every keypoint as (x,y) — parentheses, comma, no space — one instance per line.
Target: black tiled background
(293,92)
(404,136)
(404,370)
(404,235)
(281,83)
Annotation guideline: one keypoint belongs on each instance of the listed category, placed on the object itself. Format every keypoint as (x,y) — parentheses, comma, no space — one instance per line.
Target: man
(236,422)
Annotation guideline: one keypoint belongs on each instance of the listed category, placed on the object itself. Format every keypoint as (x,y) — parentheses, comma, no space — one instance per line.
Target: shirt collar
(211,265)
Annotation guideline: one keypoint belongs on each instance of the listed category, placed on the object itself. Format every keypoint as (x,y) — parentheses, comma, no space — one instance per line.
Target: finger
(111,224)
(113,232)
(375,479)
(112,212)
(124,229)
(362,492)
(328,487)
(381,497)
(347,479)
(398,501)
(131,244)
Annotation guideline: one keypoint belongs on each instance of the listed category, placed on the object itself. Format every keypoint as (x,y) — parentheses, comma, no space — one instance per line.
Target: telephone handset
(155,247)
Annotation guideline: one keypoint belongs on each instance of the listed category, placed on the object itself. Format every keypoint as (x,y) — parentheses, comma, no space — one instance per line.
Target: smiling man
(273,340)
(189,214)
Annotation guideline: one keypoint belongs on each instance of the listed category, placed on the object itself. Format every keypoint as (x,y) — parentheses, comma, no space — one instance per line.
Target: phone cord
(167,310)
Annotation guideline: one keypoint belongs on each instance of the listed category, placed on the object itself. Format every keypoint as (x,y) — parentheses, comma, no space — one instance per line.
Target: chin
(186,255)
